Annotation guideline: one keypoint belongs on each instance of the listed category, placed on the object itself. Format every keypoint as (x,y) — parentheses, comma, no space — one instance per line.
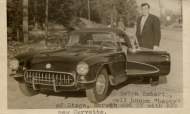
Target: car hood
(66,59)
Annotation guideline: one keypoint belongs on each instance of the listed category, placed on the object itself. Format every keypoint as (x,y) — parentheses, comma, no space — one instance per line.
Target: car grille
(49,78)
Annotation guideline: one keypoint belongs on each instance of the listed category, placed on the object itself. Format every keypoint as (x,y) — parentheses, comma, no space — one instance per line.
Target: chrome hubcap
(100,84)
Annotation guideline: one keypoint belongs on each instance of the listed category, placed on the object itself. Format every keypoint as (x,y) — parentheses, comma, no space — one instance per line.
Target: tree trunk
(46,18)
(25,20)
(35,15)
(89,10)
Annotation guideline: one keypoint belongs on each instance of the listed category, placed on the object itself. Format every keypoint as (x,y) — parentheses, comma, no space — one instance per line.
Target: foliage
(61,11)
(14,17)
(65,11)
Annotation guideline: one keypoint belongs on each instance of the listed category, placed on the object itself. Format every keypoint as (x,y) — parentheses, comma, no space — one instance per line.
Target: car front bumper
(54,81)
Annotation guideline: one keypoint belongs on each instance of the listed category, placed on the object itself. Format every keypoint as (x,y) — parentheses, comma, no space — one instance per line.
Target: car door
(119,63)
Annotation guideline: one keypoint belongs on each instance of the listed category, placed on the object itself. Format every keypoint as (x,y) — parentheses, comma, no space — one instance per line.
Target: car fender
(96,64)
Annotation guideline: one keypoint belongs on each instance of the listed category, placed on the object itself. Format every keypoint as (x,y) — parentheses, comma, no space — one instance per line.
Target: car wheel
(26,90)
(99,92)
(154,81)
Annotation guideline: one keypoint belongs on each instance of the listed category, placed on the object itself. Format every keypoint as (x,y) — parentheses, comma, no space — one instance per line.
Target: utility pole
(46,19)
(25,20)
(89,10)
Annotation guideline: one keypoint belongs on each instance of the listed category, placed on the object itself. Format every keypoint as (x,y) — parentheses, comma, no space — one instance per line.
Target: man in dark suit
(148,29)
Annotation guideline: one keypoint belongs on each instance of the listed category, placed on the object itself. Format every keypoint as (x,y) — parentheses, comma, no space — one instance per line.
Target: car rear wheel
(99,92)
(27,91)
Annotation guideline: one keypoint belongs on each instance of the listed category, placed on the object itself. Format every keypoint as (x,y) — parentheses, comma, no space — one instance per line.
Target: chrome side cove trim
(153,72)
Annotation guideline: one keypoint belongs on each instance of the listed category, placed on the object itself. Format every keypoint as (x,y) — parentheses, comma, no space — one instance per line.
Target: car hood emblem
(48,66)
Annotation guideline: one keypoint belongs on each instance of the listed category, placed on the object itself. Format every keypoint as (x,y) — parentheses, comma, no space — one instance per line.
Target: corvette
(92,60)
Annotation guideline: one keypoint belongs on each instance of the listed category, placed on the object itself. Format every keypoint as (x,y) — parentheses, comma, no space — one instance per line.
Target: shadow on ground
(80,94)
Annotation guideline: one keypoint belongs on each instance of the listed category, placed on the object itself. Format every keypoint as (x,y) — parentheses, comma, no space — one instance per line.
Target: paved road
(130,94)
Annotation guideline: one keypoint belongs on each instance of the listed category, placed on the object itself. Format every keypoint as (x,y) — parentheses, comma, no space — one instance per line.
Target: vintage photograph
(75,54)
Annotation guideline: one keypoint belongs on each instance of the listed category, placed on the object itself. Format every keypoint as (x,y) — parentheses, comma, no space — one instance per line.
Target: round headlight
(82,68)
(14,64)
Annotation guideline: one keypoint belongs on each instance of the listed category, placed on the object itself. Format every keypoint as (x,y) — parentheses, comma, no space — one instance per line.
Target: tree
(61,11)
(25,20)
(14,18)
(64,11)
(108,11)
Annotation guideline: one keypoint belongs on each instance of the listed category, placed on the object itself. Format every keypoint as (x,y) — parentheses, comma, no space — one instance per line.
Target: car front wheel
(27,91)
(99,92)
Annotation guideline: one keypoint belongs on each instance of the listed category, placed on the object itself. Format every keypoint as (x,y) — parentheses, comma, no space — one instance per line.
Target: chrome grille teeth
(69,80)
(66,79)
(45,75)
(47,78)
(35,76)
(60,77)
(29,75)
(38,74)
(53,75)
(42,76)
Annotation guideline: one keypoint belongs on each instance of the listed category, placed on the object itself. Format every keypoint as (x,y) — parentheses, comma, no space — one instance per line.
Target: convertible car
(92,60)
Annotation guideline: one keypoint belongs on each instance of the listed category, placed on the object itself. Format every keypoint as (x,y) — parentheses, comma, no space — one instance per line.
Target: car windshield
(92,39)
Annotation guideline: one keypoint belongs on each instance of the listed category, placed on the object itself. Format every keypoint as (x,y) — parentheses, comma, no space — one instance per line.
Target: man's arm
(157,31)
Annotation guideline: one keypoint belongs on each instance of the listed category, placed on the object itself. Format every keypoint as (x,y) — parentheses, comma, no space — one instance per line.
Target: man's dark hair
(145,4)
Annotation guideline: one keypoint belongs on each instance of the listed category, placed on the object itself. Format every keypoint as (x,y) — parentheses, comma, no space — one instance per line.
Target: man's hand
(156,48)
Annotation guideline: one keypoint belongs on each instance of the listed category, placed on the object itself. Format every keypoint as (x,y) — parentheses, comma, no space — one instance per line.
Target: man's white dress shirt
(143,20)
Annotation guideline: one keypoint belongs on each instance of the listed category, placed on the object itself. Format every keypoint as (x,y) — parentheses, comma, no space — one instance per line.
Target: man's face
(145,10)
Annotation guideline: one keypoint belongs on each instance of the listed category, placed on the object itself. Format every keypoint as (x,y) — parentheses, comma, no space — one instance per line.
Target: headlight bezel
(82,68)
